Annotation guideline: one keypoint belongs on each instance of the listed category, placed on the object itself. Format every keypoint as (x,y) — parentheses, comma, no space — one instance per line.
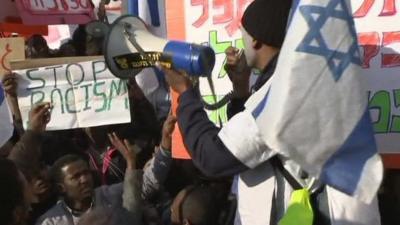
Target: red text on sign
(371,44)
(228,12)
(388,9)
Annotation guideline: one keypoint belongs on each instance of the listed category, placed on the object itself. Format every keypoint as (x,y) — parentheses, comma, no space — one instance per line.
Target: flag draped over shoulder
(6,125)
(314,110)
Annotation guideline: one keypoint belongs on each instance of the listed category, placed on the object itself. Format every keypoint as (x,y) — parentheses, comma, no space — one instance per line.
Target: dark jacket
(200,135)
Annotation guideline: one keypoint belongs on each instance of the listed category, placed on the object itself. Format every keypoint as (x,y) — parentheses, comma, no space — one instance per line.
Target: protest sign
(58,34)
(83,94)
(379,39)
(39,12)
(10,21)
(10,49)
(8,9)
(217,24)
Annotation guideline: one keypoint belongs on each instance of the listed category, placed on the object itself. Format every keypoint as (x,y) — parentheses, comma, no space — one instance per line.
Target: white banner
(379,39)
(83,94)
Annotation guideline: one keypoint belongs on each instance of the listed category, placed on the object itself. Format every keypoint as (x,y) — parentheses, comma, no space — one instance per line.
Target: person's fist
(39,116)
(238,71)
(168,128)
(10,84)
(177,80)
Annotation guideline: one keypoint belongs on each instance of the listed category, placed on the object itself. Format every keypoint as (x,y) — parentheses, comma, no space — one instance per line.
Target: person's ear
(256,44)
(185,222)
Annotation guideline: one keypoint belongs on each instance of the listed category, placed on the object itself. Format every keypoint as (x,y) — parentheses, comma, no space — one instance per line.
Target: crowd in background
(121,173)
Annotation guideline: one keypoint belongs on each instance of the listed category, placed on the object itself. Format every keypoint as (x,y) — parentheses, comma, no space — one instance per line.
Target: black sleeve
(201,139)
(236,105)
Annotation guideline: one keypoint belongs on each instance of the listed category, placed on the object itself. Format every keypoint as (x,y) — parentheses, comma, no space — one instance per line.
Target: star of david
(314,42)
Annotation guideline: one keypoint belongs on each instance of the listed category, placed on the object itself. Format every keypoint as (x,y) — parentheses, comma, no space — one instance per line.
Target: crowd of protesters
(113,174)
(125,173)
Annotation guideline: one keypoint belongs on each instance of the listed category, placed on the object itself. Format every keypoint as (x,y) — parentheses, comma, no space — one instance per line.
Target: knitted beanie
(266,21)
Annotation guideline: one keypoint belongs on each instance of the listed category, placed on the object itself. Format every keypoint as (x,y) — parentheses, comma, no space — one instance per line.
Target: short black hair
(56,173)
(35,40)
(11,191)
(201,206)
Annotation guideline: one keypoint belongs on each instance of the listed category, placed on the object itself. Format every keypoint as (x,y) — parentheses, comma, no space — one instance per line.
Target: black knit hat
(266,20)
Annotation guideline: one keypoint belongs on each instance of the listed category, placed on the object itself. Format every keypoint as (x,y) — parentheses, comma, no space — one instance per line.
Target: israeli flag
(314,108)
(6,124)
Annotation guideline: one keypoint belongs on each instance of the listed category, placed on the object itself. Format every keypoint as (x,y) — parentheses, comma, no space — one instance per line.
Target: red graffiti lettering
(64,4)
(204,15)
(8,51)
(364,8)
(390,59)
(370,43)
(389,8)
(227,14)
(232,27)
(60,5)
(225,11)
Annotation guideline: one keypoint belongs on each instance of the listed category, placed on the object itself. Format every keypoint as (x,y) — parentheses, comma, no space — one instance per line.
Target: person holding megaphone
(265,183)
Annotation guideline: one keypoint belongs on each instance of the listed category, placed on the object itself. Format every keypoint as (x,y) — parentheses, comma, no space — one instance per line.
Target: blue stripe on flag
(343,170)
(133,9)
(154,14)
(1,94)
(295,4)
(257,111)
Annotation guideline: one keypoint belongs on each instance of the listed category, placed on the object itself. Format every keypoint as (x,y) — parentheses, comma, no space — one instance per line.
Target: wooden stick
(36,63)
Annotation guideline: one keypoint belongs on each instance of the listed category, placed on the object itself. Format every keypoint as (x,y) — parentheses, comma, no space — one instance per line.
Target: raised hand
(168,128)
(10,84)
(238,71)
(177,80)
(125,148)
(39,116)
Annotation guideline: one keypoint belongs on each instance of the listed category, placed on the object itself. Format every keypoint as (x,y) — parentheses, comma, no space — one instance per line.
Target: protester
(26,154)
(264,191)
(66,50)
(125,173)
(14,194)
(36,47)
(75,182)
(10,84)
(196,205)
(79,40)
(157,169)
